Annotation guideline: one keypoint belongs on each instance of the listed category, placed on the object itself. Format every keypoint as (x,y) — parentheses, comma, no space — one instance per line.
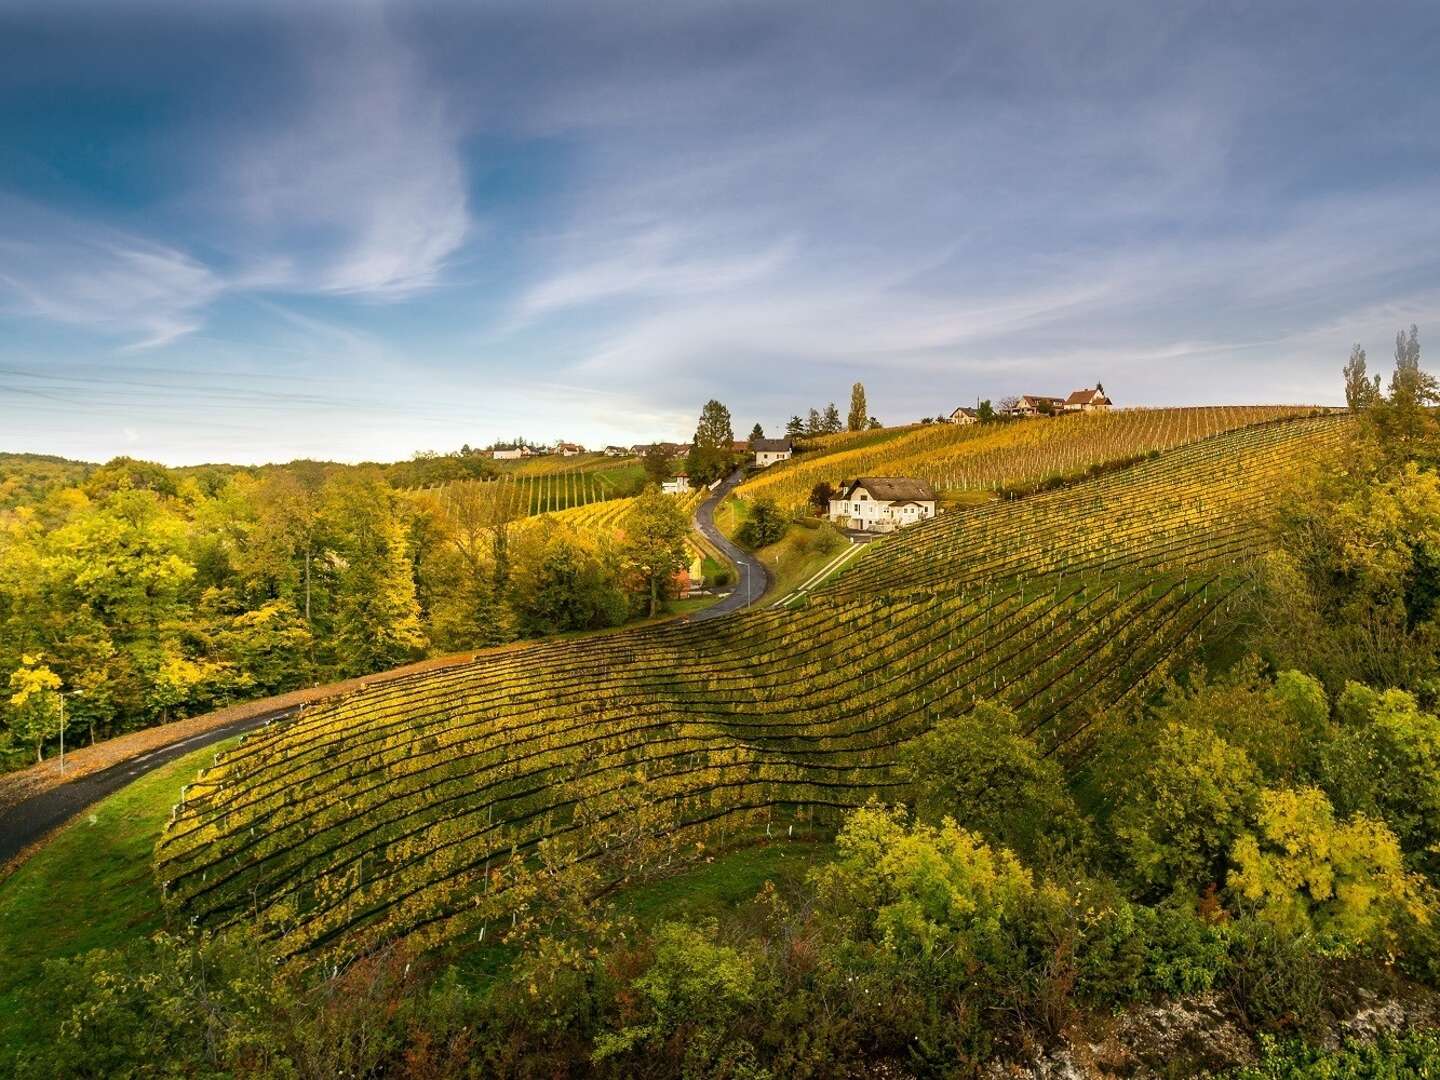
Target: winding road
(30,821)
(754,578)
(27,822)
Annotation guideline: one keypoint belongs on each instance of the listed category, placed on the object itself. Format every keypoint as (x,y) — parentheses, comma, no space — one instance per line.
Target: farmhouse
(1036,405)
(1088,400)
(513,453)
(964,415)
(569,449)
(616,451)
(770,451)
(882,503)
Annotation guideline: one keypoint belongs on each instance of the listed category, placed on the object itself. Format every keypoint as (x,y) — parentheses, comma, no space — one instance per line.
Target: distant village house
(964,415)
(1036,405)
(1088,400)
(678,485)
(882,503)
(569,449)
(772,451)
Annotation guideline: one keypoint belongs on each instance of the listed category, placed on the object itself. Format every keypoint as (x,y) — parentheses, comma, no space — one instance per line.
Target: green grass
(715,889)
(90,886)
(793,559)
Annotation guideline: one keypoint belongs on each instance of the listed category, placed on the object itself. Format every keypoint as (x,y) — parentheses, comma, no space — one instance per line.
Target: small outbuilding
(772,451)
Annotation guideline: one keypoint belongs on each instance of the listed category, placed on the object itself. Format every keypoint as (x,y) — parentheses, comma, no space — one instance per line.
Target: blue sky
(255,232)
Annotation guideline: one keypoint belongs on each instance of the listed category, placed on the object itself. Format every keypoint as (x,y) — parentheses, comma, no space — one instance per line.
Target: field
(417,807)
(956,459)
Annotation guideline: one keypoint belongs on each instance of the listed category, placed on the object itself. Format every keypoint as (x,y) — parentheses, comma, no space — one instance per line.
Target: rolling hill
(419,807)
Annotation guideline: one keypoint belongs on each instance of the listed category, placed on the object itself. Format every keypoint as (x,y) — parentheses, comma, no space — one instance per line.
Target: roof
(772,446)
(966,410)
(893,489)
(1085,397)
(1039,398)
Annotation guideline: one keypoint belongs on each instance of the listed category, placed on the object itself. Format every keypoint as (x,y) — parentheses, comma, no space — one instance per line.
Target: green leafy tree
(1360,392)
(376,619)
(1180,810)
(814,425)
(985,412)
(659,465)
(712,451)
(756,434)
(859,412)
(794,427)
(765,525)
(1306,872)
(830,423)
(568,587)
(654,548)
(820,496)
(981,770)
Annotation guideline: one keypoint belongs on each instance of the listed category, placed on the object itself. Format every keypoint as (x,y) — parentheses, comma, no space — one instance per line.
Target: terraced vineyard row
(514,496)
(955,458)
(406,809)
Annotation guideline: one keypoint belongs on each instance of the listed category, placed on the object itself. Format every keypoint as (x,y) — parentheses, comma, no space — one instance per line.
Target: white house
(679,485)
(569,449)
(616,451)
(512,454)
(882,503)
(1088,400)
(770,451)
(964,415)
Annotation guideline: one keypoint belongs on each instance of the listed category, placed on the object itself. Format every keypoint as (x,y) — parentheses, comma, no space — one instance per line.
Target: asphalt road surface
(29,821)
(754,579)
(25,823)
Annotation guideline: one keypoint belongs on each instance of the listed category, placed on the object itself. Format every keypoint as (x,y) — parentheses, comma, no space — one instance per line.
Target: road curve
(754,578)
(30,821)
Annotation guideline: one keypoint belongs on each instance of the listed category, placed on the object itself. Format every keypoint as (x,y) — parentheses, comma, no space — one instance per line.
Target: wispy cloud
(82,274)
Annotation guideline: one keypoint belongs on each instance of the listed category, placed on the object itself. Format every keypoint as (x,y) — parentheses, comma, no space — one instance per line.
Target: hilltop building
(1088,400)
(1036,405)
(772,451)
(964,415)
(882,503)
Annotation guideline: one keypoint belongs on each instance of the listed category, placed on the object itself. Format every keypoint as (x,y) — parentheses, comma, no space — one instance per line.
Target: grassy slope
(90,887)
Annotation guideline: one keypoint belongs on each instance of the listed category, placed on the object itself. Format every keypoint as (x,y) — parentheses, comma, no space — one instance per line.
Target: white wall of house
(765,458)
(507,455)
(680,485)
(877,515)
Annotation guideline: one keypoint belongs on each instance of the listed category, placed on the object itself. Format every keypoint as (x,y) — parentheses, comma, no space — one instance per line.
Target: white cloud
(361,187)
(81,274)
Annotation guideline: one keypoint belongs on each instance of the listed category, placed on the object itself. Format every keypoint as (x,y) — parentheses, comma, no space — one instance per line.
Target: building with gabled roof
(772,451)
(1088,400)
(882,503)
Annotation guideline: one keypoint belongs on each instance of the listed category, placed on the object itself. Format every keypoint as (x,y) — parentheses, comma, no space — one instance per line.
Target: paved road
(754,578)
(29,821)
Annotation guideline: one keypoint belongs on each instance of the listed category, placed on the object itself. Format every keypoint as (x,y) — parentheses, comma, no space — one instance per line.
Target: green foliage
(1305,872)
(654,549)
(1414,1055)
(712,453)
(565,585)
(859,417)
(980,770)
(1132,952)
(659,465)
(1182,807)
(764,526)
(1274,977)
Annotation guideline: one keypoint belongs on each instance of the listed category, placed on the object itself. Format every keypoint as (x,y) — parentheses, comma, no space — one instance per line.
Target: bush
(1415,1054)
(1275,978)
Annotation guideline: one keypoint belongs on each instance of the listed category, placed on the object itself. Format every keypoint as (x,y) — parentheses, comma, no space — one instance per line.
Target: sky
(357,230)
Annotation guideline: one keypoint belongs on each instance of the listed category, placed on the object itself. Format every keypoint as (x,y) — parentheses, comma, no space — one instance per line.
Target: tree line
(144,594)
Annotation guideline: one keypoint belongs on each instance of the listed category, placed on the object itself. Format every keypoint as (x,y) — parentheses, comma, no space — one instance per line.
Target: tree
(985,412)
(569,587)
(1008,405)
(1406,418)
(764,526)
(756,434)
(981,770)
(830,424)
(654,549)
(859,413)
(814,425)
(1304,871)
(1360,392)
(377,619)
(712,451)
(794,427)
(35,706)
(820,496)
(1183,807)
(659,465)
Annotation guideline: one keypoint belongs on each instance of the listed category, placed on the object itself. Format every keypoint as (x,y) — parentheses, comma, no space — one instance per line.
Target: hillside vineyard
(405,809)
(988,457)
